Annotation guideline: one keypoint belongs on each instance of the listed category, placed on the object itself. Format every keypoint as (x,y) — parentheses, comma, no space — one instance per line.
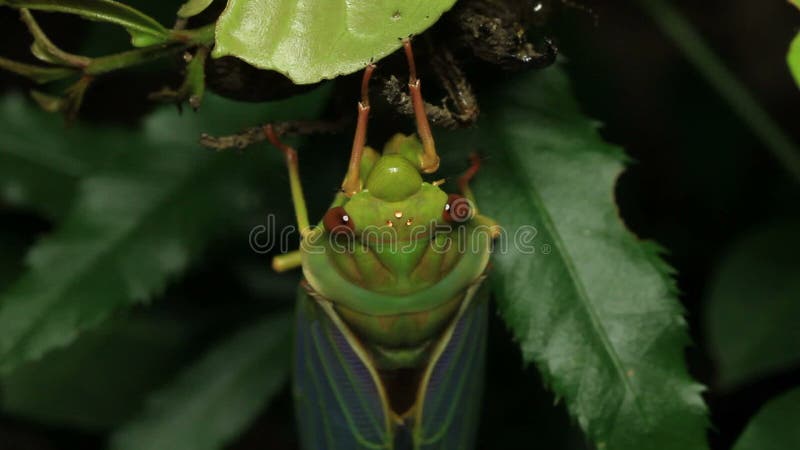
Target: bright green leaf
(311,40)
(215,399)
(137,223)
(193,7)
(754,305)
(793,59)
(144,30)
(775,426)
(100,380)
(591,305)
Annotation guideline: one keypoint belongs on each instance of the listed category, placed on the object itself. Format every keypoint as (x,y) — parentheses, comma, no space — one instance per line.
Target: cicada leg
(430,160)
(466,177)
(463,186)
(458,110)
(288,261)
(352,181)
(298,200)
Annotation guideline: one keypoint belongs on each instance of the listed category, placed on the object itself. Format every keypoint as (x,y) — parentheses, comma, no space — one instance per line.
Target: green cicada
(391,317)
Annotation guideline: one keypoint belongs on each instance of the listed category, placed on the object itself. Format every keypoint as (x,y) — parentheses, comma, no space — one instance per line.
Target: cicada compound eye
(338,222)
(457,209)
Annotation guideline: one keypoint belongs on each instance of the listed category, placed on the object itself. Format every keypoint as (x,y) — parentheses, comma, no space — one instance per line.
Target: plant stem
(180,41)
(51,52)
(198,36)
(38,74)
(130,58)
(712,68)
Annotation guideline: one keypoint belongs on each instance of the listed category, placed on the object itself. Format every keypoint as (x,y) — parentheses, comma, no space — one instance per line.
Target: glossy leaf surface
(592,306)
(311,40)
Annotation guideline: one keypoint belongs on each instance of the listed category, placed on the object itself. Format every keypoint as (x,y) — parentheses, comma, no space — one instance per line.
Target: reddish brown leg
(466,177)
(463,186)
(352,181)
(430,160)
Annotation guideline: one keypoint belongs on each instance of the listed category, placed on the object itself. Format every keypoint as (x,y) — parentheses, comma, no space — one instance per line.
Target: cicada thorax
(391,308)
(396,258)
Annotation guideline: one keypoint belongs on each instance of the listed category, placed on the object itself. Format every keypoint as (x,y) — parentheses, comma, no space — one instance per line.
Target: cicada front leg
(352,181)
(464,186)
(289,261)
(298,200)
(430,159)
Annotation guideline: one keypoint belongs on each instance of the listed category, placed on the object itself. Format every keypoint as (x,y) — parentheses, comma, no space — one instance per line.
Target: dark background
(699,180)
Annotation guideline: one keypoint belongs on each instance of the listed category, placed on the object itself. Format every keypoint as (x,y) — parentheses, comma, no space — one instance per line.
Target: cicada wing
(338,399)
(452,386)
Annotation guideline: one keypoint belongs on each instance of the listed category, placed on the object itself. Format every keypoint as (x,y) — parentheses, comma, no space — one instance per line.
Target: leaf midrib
(533,198)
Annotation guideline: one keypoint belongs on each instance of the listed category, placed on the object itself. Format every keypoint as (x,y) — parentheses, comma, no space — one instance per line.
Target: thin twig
(181,40)
(38,74)
(52,52)
(255,135)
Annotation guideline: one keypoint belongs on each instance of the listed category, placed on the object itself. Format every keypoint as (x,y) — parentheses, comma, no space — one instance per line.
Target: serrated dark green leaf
(592,306)
(775,426)
(100,380)
(42,161)
(311,40)
(754,305)
(136,224)
(144,30)
(213,400)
